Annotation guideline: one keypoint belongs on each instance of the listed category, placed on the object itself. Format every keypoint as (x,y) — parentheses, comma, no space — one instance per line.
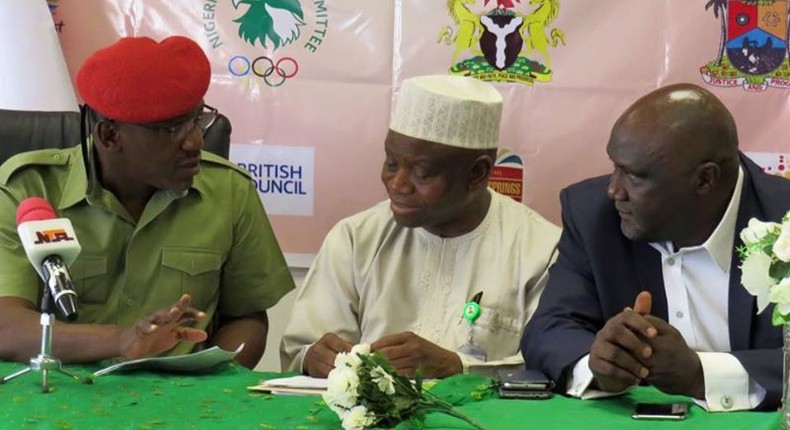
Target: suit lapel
(741,304)
(648,261)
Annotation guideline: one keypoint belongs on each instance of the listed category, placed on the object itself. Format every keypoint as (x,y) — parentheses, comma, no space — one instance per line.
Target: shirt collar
(720,243)
(77,187)
(200,183)
(475,232)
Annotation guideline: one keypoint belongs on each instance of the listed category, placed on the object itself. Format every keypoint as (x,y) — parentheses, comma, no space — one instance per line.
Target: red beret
(138,80)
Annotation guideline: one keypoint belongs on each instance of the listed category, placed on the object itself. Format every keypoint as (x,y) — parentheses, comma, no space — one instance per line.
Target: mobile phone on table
(661,411)
(523,384)
(524,379)
(504,393)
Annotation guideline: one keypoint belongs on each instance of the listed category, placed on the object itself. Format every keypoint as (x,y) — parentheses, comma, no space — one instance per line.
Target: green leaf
(777,318)
(779,270)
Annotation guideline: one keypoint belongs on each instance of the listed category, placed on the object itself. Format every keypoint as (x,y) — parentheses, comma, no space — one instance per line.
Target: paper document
(190,363)
(307,385)
(293,385)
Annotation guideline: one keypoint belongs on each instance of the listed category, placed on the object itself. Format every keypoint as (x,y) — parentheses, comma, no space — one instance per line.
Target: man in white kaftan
(399,274)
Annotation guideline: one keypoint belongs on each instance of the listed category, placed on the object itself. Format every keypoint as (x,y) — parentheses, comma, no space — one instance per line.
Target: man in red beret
(176,247)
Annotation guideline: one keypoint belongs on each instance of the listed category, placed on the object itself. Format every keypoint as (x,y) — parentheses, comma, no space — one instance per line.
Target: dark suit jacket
(599,272)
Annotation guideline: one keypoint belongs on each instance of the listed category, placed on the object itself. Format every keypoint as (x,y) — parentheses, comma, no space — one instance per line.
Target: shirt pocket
(494,320)
(89,274)
(197,272)
(497,332)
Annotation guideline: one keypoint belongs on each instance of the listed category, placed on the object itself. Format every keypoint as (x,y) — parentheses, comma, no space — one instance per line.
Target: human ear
(106,134)
(480,172)
(706,177)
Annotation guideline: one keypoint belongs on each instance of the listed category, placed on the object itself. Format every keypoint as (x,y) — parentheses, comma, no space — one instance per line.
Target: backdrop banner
(309,84)
(33,75)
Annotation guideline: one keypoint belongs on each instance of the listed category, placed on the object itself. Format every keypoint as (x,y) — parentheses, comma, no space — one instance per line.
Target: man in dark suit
(646,288)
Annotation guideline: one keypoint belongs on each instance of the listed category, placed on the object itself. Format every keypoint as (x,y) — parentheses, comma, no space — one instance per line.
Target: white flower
(756,231)
(755,278)
(383,380)
(362,348)
(347,360)
(340,412)
(351,359)
(342,383)
(782,244)
(358,418)
(780,294)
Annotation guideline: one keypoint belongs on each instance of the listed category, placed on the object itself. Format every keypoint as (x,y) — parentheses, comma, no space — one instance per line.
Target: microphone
(51,246)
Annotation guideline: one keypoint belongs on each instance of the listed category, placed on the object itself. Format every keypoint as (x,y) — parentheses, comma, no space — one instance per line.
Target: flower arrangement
(365,391)
(765,268)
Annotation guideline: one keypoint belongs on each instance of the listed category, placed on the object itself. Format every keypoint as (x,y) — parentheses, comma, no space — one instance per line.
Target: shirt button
(670,261)
(679,314)
(129,302)
(726,402)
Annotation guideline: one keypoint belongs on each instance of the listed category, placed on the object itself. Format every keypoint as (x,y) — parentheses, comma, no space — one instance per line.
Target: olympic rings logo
(273,73)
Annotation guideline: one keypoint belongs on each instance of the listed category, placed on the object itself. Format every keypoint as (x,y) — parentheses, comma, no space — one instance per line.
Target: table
(150,401)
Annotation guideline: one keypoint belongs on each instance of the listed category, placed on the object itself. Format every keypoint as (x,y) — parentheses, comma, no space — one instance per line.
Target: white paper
(190,363)
(305,385)
(298,382)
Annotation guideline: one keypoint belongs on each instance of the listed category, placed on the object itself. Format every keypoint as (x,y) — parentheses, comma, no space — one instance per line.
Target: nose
(398,182)
(615,190)
(194,140)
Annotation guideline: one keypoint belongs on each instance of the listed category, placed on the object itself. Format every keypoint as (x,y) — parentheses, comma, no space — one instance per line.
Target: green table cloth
(220,400)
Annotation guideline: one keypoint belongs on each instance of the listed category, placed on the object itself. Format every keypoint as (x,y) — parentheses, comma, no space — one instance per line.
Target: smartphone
(661,411)
(524,379)
(504,393)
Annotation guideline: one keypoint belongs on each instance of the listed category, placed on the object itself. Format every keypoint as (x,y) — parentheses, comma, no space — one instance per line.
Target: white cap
(452,110)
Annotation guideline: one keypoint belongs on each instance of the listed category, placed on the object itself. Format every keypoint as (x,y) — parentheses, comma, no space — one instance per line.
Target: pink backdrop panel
(344,68)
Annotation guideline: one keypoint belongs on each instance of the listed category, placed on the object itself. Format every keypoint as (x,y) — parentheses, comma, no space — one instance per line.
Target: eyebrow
(180,119)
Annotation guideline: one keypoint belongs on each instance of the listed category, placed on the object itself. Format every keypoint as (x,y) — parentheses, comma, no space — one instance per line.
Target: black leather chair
(22,131)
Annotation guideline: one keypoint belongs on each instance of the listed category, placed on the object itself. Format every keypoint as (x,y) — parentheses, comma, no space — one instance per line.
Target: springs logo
(275,27)
(507,176)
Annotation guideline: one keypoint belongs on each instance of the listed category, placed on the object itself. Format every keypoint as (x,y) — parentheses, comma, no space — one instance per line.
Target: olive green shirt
(212,241)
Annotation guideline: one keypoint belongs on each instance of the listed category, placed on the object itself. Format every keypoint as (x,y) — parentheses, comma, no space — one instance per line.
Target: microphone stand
(45,362)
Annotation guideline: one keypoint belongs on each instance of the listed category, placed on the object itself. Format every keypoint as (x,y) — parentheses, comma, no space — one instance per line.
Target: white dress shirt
(696,282)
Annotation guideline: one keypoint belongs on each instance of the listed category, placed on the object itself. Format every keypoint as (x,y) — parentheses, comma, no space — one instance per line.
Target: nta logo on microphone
(50,236)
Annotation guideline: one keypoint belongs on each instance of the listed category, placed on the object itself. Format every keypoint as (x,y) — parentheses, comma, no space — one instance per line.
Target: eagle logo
(277,21)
